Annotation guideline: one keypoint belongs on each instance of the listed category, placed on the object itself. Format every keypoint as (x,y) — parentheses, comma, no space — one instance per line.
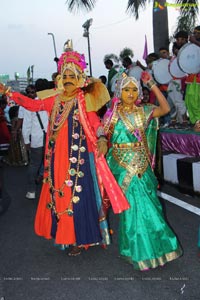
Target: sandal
(75,251)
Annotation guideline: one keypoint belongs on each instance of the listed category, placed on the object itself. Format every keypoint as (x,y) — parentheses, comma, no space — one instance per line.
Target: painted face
(129,94)
(70,81)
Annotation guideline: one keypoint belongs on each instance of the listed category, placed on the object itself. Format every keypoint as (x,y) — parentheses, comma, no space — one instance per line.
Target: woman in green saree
(145,239)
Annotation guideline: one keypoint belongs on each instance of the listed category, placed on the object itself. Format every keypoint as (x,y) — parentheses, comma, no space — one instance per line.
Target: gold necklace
(138,117)
(59,115)
(128,109)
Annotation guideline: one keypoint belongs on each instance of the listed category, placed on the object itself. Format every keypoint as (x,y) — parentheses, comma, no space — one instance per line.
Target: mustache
(68,83)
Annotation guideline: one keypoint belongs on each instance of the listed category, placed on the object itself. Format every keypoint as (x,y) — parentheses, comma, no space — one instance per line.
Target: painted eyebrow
(130,88)
(70,75)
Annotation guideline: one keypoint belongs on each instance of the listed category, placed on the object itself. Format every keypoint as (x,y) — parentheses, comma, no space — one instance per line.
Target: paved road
(32,268)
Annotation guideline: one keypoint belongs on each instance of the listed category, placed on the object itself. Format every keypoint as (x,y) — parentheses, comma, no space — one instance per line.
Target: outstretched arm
(31,104)
(27,102)
(163,107)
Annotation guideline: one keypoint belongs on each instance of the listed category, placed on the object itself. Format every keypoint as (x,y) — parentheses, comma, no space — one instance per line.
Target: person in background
(151,57)
(175,95)
(181,38)
(175,49)
(145,96)
(6,111)
(5,135)
(101,112)
(127,63)
(129,66)
(165,120)
(34,130)
(103,79)
(192,92)
(145,239)
(111,73)
(17,153)
(193,107)
(164,53)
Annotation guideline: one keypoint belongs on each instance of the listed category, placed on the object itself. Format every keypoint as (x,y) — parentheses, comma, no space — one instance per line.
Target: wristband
(150,83)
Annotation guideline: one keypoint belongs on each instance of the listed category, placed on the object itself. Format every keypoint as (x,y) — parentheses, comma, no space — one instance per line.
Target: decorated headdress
(68,46)
(73,61)
(122,81)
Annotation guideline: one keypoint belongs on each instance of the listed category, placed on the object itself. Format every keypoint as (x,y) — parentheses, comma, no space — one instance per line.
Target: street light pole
(54,45)
(86,34)
(89,55)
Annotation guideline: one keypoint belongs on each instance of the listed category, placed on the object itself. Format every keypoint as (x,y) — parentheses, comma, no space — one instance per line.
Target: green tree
(188,15)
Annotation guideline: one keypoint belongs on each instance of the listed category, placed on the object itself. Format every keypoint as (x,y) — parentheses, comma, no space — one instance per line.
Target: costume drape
(87,225)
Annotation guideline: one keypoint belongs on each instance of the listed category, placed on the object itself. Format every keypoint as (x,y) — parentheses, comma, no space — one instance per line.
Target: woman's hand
(145,76)
(102,146)
(148,80)
(2,88)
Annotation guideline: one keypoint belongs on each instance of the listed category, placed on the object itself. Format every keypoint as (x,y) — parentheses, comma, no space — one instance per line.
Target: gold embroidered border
(153,263)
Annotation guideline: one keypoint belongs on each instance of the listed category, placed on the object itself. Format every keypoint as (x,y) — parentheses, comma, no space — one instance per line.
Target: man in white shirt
(33,134)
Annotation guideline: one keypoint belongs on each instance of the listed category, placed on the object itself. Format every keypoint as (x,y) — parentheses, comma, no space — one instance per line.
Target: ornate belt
(127,145)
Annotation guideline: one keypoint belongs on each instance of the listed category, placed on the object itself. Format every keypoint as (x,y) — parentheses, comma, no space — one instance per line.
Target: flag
(145,53)
(31,73)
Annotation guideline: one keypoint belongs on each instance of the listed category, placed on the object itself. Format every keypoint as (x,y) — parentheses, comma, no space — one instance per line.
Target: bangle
(100,131)
(150,83)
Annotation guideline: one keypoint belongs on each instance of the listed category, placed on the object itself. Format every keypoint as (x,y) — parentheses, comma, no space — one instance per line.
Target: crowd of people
(180,88)
(95,148)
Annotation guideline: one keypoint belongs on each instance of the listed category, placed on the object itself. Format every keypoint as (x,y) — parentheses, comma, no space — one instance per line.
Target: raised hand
(145,76)
(2,88)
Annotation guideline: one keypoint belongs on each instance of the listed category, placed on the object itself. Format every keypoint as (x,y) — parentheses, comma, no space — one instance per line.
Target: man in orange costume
(70,208)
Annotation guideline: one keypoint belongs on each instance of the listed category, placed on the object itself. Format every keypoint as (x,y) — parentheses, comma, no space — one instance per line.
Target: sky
(25,25)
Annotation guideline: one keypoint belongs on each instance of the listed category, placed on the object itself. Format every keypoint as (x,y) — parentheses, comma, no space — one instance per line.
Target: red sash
(105,177)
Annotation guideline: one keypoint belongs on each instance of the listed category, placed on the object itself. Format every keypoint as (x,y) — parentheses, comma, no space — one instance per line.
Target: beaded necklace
(59,115)
(58,118)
